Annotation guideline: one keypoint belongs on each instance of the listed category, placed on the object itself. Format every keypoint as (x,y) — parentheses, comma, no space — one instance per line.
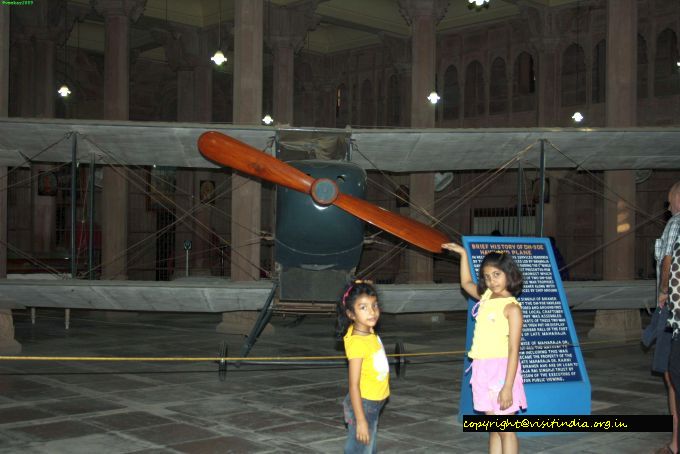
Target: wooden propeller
(227,151)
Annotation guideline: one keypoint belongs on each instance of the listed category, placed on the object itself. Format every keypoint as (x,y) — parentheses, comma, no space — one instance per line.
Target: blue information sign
(555,377)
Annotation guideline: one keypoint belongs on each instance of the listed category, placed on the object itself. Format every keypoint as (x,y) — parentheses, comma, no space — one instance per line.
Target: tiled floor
(149,407)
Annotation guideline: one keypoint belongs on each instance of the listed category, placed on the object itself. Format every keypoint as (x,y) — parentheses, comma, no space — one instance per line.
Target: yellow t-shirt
(375,370)
(490,339)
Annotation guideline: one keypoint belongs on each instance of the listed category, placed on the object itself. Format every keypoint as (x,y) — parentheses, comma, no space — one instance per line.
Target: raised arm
(466,281)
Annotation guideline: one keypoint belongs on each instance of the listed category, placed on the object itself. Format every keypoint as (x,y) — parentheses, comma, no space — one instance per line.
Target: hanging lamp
(219,57)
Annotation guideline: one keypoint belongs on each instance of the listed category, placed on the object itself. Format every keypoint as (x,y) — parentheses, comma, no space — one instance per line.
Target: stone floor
(150,407)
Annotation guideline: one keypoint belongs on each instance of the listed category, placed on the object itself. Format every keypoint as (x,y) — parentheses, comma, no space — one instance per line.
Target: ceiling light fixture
(219,57)
(478,4)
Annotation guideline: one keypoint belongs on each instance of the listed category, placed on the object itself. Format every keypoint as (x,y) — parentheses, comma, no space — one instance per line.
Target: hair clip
(344,297)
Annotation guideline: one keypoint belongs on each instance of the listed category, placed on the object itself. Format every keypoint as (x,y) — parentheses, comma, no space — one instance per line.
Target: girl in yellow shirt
(358,314)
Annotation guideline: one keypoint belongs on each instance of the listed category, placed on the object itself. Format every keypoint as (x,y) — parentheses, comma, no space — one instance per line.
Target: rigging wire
(162,200)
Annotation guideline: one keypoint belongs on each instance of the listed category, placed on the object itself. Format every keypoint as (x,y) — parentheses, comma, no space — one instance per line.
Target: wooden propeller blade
(229,152)
(405,228)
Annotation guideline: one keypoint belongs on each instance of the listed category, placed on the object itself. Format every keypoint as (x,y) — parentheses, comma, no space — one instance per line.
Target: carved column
(24,46)
(49,30)
(246,192)
(4,112)
(8,345)
(286,31)
(423,16)
(619,215)
(4,62)
(3,219)
(117,16)
(247,110)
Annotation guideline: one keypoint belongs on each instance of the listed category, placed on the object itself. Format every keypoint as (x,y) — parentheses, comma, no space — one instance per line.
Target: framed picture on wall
(207,192)
(47,183)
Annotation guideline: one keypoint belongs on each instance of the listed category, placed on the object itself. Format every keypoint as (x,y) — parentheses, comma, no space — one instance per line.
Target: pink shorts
(488,377)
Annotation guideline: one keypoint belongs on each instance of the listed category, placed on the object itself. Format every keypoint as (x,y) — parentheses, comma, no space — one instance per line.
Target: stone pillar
(25,84)
(117,15)
(282,108)
(8,345)
(619,193)
(4,62)
(3,219)
(4,112)
(40,29)
(286,31)
(423,16)
(246,192)
(45,87)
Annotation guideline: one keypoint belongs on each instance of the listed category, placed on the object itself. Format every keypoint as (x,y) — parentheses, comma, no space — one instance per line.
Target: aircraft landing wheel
(400,361)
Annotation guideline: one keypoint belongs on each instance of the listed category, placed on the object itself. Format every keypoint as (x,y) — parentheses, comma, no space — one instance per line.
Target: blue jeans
(372,412)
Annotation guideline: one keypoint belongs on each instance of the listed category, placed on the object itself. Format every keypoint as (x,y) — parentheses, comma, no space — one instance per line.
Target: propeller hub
(324,191)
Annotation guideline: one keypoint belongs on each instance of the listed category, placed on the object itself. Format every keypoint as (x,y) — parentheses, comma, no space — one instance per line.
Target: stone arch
(393,101)
(599,72)
(474,90)
(666,80)
(341,106)
(573,88)
(498,87)
(524,83)
(367,107)
(451,94)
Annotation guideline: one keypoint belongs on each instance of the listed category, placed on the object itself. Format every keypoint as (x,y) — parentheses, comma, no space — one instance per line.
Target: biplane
(40,140)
